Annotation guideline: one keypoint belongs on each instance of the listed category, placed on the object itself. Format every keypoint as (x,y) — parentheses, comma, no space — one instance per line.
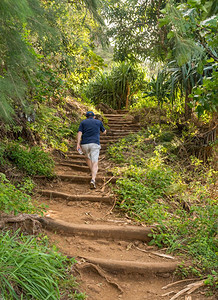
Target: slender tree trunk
(127,96)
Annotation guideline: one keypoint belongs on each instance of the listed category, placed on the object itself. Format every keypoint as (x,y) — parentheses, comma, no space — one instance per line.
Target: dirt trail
(114,259)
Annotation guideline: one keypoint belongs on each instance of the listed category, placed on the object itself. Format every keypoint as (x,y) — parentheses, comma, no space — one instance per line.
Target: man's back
(90,129)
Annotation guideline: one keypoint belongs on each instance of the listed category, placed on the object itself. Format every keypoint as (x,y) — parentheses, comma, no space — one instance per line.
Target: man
(89,138)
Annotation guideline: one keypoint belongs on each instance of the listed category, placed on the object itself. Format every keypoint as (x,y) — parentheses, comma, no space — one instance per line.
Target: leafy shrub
(16,200)
(29,269)
(33,161)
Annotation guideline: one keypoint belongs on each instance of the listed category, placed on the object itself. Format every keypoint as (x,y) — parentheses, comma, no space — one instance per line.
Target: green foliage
(42,43)
(141,188)
(194,233)
(117,87)
(133,28)
(16,199)
(18,58)
(155,188)
(205,95)
(55,126)
(192,43)
(33,161)
(29,269)
(159,88)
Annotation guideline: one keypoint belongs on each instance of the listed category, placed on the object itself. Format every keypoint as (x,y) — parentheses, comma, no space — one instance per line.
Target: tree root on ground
(27,222)
(101,272)
(102,188)
(111,209)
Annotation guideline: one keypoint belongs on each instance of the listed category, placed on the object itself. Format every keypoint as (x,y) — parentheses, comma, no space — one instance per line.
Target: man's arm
(103,130)
(79,136)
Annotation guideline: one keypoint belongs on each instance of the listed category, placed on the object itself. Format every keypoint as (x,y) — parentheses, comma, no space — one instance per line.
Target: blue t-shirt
(90,129)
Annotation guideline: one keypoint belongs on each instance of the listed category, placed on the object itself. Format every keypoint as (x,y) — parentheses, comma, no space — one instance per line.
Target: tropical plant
(192,45)
(33,161)
(116,87)
(159,89)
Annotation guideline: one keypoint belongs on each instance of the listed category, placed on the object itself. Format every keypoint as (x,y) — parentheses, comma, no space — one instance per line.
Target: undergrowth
(55,126)
(156,187)
(17,199)
(33,161)
(30,269)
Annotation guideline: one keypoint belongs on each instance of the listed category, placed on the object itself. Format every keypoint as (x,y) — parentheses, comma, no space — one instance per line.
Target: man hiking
(89,138)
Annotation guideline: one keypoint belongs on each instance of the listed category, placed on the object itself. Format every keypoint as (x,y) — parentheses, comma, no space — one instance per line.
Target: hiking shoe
(92,184)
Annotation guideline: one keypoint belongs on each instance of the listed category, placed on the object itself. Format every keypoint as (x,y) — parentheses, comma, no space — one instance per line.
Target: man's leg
(89,163)
(92,154)
(94,169)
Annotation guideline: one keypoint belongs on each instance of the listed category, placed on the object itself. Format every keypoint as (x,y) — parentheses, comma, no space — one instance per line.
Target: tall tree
(134,30)
(33,32)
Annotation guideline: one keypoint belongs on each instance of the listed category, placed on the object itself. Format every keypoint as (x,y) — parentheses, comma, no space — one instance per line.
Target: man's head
(90,114)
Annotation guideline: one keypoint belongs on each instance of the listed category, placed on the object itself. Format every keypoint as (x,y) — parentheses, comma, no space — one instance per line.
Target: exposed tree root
(101,272)
(177,282)
(111,209)
(103,186)
(27,222)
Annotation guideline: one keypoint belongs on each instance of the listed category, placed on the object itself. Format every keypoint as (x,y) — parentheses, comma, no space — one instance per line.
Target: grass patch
(30,269)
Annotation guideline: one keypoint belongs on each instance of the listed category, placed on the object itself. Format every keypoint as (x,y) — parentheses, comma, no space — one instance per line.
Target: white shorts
(91,151)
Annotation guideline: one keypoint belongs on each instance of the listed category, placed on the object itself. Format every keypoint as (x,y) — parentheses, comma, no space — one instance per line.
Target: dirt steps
(127,233)
(133,267)
(110,247)
(70,197)
(84,179)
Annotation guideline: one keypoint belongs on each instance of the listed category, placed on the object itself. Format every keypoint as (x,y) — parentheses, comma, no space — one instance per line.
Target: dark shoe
(92,184)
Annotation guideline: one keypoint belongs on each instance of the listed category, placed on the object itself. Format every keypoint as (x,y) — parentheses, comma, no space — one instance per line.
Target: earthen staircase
(113,257)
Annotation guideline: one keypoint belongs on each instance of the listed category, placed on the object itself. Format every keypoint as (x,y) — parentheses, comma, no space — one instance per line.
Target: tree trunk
(127,96)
